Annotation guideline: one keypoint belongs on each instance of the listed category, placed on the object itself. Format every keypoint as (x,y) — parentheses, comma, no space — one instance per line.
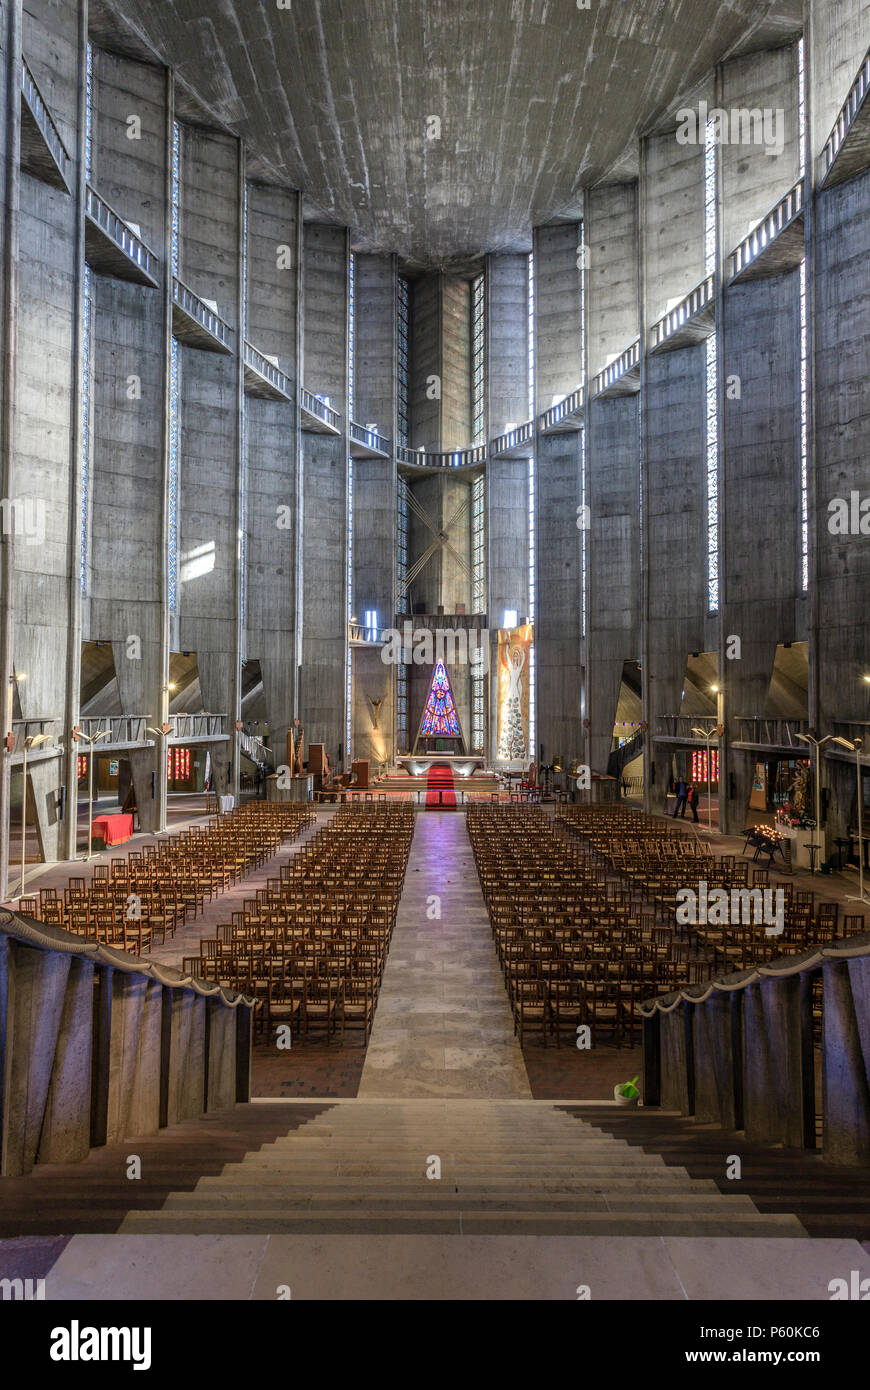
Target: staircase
(625,754)
(508,1167)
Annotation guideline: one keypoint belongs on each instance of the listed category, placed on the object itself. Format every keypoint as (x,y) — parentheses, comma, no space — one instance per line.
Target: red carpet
(440,795)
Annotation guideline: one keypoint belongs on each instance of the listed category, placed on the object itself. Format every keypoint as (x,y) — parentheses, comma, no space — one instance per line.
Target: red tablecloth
(113,830)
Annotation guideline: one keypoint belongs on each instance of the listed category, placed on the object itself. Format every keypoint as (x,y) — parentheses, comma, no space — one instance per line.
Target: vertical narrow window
(478,544)
(478,354)
(805,336)
(175,233)
(401,607)
(478,576)
(531,513)
(712,382)
(89,114)
(584,542)
(402,338)
(351,330)
(243,447)
(174,437)
(174,378)
(84,535)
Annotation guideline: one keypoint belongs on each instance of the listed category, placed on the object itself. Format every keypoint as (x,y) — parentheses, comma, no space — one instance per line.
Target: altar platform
(460,764)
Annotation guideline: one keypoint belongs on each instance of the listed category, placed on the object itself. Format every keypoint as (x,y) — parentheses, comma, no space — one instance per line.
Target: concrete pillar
(677,1060)
(846,1062)
(210,465)
(134,1056)
(507,480)
(716,1043)
(324,524)
(374,500)
(128,390)
(187,1052)
(558,358)
(613,462)
(776,1095)
(10,127)
(272,462)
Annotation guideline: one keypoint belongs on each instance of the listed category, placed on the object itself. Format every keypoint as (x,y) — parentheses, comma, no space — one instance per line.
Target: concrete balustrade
(96,1047)
(738,1052)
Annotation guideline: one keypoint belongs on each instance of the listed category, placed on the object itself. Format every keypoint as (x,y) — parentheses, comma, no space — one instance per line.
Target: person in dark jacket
(682,792)
(694,798)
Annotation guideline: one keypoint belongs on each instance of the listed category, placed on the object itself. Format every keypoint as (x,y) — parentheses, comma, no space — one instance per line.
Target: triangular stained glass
(440,719)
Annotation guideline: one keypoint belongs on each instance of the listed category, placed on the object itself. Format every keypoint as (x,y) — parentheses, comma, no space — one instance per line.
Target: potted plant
(626,1093)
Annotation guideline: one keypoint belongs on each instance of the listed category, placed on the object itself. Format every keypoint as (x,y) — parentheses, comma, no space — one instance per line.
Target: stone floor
(434,1268)
(443,1024)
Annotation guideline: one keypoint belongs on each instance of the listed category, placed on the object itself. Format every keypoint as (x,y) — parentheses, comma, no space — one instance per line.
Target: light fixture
(855,746)
(714,690)
(817,744)
(31,741)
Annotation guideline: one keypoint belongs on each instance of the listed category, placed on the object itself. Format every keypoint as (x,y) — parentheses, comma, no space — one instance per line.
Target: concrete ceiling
(536,98)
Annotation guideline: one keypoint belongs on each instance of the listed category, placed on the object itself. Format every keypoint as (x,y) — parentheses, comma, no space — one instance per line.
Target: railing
(187,726)
(571,405)
(121,728)
(848,112)
(140,1046)
(683,725)
(772,733)
(44,119)
(266,369)
(610,375)
(514,439)
(191,304)
(738,1051)
(370,439)
(358,632)
(459,458)
(675,318)
(752,245)
(28,728)
(255,748)
(320,410)
(116,229)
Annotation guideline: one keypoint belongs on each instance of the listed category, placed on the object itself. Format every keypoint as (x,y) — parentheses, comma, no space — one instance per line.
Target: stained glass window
(440,718)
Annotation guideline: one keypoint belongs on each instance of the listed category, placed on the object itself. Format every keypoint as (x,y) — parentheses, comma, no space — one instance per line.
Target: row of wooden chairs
(311,946)
(139,900)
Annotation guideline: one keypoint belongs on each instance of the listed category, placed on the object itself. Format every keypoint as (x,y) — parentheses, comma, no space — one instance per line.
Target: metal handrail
(193,306)
(266,369)
(197,725)
(675,318)
(370,438)
(458,458)
(768,229)
(848,112)
(315,406)
(569,406)
(118,728)
(514,439)
(612,373)
(43,117)
(777,732)
(117,230)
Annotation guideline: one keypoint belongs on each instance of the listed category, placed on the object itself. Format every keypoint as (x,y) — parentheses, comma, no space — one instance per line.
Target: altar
(299,788)
(460,764)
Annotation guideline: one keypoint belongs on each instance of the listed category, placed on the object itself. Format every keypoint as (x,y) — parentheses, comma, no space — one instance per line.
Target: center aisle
(443,1025)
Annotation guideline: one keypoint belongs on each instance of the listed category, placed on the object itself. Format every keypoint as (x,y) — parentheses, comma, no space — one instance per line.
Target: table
(225,804)
(113,830)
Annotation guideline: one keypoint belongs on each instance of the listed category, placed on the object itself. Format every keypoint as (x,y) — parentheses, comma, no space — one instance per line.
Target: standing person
(694,798)
(682,792)
(298,733)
